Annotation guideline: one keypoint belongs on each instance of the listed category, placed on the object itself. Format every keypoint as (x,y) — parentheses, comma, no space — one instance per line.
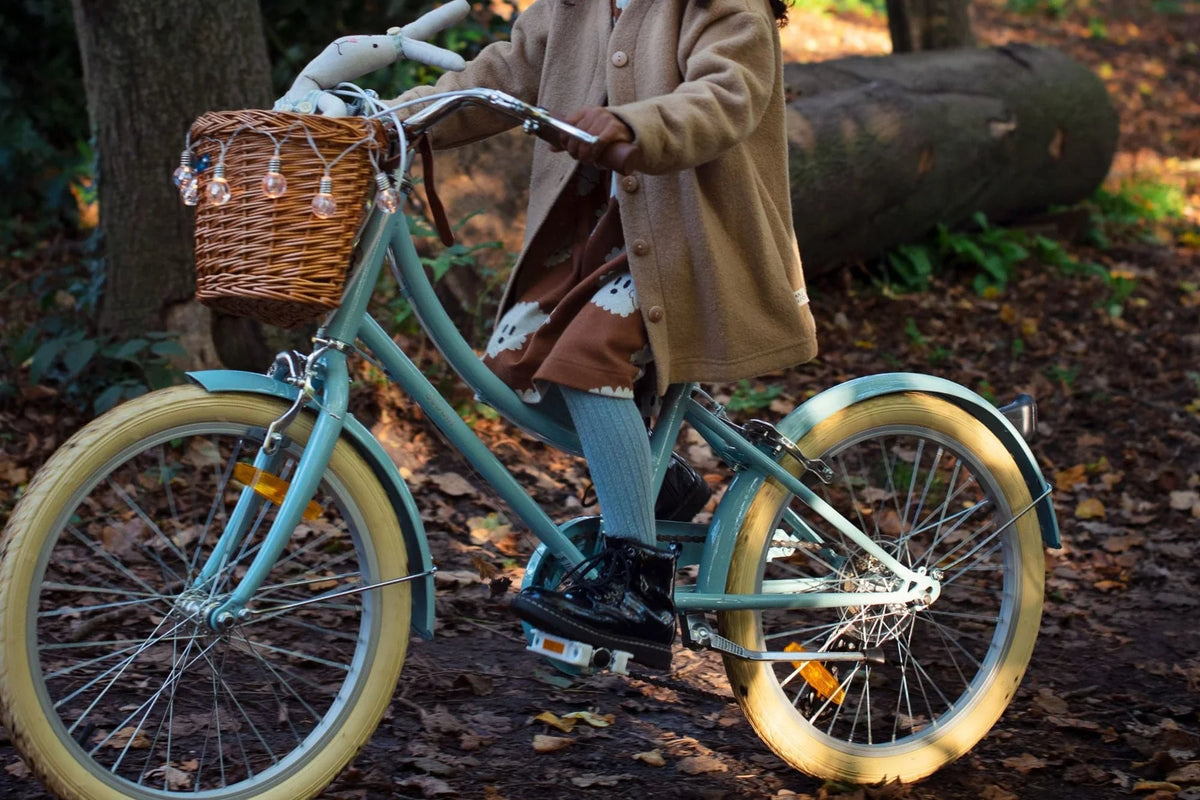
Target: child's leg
(628,605)
(618,454)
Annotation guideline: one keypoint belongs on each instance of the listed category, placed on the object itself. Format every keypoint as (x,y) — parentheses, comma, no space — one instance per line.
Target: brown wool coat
(706,207)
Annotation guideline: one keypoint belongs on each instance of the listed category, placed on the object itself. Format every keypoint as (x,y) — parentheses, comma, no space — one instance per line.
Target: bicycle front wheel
(111,682)
(935,489)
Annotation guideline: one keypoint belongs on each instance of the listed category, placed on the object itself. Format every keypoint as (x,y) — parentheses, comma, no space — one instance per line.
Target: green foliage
(993,251)
(1054,9)
(936,353)
(62,351)
(864,8)
(395,310)
(1137,208)
(748,397)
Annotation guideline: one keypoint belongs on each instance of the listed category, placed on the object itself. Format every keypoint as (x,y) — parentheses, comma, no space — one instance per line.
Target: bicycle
(211,588)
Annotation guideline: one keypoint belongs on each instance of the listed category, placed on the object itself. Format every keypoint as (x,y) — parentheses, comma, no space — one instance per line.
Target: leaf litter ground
(1110,706)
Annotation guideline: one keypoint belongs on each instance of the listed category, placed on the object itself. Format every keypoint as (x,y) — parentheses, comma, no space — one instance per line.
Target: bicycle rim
(937,492)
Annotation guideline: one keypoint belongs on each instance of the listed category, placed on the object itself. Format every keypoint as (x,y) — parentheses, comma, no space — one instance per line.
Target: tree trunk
(884,148)
(929,24)
(150,68)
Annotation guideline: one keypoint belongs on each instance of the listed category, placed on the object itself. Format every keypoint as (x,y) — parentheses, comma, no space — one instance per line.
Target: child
(662,254)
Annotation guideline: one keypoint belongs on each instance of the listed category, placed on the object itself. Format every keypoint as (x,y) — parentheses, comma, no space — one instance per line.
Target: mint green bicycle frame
(709,546)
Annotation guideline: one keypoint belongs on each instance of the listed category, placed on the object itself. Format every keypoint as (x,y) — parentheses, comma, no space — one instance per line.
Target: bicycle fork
(221,610)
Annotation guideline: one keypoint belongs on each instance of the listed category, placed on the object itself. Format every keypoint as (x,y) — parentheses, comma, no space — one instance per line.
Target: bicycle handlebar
(534,120)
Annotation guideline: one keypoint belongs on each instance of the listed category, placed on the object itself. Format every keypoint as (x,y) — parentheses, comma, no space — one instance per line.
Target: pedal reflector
(578,654)
(815,675)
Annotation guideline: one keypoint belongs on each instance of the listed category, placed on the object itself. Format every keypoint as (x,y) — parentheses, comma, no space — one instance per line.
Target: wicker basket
(272,259)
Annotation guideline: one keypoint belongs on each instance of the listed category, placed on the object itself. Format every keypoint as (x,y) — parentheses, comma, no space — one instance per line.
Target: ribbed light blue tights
(617,450)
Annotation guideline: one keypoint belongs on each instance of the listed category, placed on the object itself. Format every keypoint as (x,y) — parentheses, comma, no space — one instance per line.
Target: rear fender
(724,526)
(366,445)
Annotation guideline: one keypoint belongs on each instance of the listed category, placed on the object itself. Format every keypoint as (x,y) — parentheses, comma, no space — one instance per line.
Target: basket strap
(435,203)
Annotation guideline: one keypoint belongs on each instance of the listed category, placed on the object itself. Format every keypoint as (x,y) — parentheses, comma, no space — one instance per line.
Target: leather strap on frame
(435,203)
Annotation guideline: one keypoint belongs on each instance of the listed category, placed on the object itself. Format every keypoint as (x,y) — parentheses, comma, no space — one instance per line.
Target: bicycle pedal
(579,654)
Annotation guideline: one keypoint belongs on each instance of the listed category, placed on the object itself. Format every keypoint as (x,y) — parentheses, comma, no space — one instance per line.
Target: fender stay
(361,439)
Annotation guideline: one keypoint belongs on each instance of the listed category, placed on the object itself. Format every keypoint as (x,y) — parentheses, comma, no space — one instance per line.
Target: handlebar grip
(441,17)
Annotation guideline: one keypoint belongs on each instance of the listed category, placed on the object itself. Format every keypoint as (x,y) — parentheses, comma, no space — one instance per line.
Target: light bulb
(184,172)
(387,198)
(323,205)
(218,188)
(190,192)
(273,183)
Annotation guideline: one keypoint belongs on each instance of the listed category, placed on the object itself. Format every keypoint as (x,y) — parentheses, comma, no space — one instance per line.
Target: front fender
(402,500)
(723,530)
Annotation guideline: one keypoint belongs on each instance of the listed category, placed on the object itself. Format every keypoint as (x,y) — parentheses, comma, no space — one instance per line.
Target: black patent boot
(627,606)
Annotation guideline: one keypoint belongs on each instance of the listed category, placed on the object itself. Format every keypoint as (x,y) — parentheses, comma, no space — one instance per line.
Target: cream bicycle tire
(869,724)
(46,529)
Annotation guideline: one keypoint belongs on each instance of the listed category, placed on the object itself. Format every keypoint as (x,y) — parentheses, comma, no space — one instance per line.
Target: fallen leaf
(1050,703)
(1186,501)
(1025,763)
(994,792)
(135,738)
(174,779)
(1187,775)
(595,720)
(1067,479)
(429,785)
(452,483)
(441,721)
(1154,786)
(699,765)
(17,769)
(1091,508)
(1086,774)
(554,721)
(653,758)
(550,744)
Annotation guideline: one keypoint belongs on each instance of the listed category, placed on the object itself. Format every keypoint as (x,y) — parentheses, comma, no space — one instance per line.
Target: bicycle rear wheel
(937,490)
(112,685)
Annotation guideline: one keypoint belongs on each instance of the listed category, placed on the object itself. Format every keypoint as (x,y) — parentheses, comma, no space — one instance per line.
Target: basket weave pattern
(272,259)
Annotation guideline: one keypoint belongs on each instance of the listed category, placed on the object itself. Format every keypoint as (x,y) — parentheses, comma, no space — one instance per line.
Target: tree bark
(882,149)
(929,24)
(150,68)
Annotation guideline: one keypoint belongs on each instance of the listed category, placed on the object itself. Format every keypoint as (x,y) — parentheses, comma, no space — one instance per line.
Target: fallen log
(884,148)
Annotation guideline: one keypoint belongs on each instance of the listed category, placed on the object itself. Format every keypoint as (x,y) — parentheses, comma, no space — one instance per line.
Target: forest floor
(1110,705)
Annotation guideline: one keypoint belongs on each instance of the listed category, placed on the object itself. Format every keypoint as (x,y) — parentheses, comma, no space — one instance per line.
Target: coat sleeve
(513,66)
(729,70)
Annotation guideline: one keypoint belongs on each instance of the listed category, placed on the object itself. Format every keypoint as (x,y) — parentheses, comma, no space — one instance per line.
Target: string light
(218,188)
(184,174)
(323,204)
(387,198)
(274,185)
(190,192)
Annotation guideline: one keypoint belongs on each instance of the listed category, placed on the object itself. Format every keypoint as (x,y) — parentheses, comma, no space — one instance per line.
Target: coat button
(620,59)
(629,183)
(640,248)
(655,314)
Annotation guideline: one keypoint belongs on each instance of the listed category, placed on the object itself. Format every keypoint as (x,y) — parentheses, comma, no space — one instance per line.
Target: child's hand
(614,138)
